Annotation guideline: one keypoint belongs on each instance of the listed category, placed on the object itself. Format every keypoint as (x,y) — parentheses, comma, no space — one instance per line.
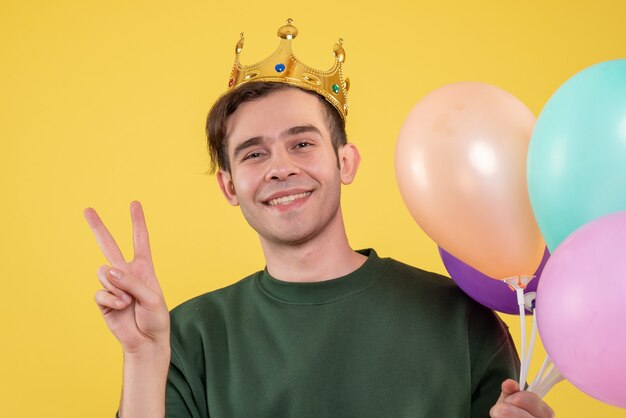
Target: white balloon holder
(548,375)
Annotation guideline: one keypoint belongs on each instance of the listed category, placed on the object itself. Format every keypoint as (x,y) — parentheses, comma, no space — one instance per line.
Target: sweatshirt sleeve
(493,357)
(185,395)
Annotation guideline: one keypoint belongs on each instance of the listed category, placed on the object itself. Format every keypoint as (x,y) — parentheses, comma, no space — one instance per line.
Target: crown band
(282,66)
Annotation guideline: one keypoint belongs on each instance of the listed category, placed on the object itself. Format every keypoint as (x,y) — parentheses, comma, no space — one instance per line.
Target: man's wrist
(149,353)
(145,377)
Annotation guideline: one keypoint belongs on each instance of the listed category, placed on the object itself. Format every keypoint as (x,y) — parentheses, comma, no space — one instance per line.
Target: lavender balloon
(491,293)
(580,308)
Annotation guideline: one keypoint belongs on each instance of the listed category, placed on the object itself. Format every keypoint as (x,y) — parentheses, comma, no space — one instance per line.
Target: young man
(323,331)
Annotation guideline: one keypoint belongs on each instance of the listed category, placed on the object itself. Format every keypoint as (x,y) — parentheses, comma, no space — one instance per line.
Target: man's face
(284,172)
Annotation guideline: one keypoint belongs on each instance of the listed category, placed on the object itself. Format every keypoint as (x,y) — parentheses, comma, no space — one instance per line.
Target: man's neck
(326,257)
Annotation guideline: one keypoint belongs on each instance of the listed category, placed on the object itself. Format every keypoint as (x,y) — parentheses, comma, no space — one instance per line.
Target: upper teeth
(287,199)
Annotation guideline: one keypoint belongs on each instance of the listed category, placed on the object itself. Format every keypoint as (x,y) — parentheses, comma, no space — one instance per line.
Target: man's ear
(349,160)
(225,181)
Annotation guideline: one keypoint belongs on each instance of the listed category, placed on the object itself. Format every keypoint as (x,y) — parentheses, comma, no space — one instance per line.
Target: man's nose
(281,166)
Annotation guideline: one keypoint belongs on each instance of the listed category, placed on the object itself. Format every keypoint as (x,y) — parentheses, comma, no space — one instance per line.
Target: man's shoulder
(420,278)
(444,300)
(429,290)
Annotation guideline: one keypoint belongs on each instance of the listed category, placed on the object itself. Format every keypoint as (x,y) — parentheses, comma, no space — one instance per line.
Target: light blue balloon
(577,155)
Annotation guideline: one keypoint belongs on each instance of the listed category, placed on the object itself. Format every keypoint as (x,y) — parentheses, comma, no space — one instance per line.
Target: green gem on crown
(335,88)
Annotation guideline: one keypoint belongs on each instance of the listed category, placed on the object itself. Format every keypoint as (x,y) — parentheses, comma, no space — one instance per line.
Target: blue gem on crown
(279,68)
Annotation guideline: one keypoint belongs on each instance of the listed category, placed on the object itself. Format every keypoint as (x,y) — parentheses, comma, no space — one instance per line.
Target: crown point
(288,31)
(340,53)
(239,46)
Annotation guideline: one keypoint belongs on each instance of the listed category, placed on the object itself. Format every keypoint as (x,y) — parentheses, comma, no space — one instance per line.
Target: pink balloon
(581,302)
(461,170)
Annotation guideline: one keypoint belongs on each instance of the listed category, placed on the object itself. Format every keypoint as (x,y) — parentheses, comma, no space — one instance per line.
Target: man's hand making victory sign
(134,309)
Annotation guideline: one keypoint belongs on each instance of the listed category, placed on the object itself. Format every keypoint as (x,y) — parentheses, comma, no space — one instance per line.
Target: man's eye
(303,145)
(252,155)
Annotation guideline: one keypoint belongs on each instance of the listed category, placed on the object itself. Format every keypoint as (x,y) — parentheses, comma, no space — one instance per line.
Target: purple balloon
(580,308)
(491,293)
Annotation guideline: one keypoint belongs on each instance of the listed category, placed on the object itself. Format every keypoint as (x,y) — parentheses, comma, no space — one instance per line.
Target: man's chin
(288,238)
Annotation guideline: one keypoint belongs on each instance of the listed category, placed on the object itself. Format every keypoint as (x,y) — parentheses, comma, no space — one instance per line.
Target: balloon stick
(551,379)
(531,345)
(547,377)
(539,376)
(518,284)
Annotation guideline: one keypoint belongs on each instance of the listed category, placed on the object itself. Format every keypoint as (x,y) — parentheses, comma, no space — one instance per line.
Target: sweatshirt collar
(327,291)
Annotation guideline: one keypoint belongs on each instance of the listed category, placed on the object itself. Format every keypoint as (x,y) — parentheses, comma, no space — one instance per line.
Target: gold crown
(283,67)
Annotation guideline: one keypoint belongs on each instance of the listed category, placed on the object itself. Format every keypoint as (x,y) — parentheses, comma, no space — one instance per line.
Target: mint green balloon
(577,154)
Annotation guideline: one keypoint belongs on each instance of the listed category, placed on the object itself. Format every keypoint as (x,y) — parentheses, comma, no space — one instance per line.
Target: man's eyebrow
(247,144)
(300,129)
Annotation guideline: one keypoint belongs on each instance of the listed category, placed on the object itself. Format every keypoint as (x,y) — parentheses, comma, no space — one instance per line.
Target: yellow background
(102,102)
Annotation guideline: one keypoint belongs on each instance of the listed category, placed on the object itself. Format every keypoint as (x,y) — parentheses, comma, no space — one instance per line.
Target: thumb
(146,296)
(509,387)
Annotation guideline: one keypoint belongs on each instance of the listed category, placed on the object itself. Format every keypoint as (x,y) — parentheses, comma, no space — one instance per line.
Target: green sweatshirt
(387,340)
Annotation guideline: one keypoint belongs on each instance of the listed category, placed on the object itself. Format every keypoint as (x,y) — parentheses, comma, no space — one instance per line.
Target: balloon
(580,308)
(577,154)
(490,293)
(461,170)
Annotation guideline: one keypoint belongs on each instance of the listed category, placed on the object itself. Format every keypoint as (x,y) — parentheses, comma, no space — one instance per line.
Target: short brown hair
(228,104)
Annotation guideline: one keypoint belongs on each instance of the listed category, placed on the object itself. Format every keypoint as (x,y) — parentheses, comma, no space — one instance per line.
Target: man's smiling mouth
(285,200)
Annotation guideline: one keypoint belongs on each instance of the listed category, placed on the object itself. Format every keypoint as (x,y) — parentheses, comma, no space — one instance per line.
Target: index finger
(531,403)
(107,244)
(141,240)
